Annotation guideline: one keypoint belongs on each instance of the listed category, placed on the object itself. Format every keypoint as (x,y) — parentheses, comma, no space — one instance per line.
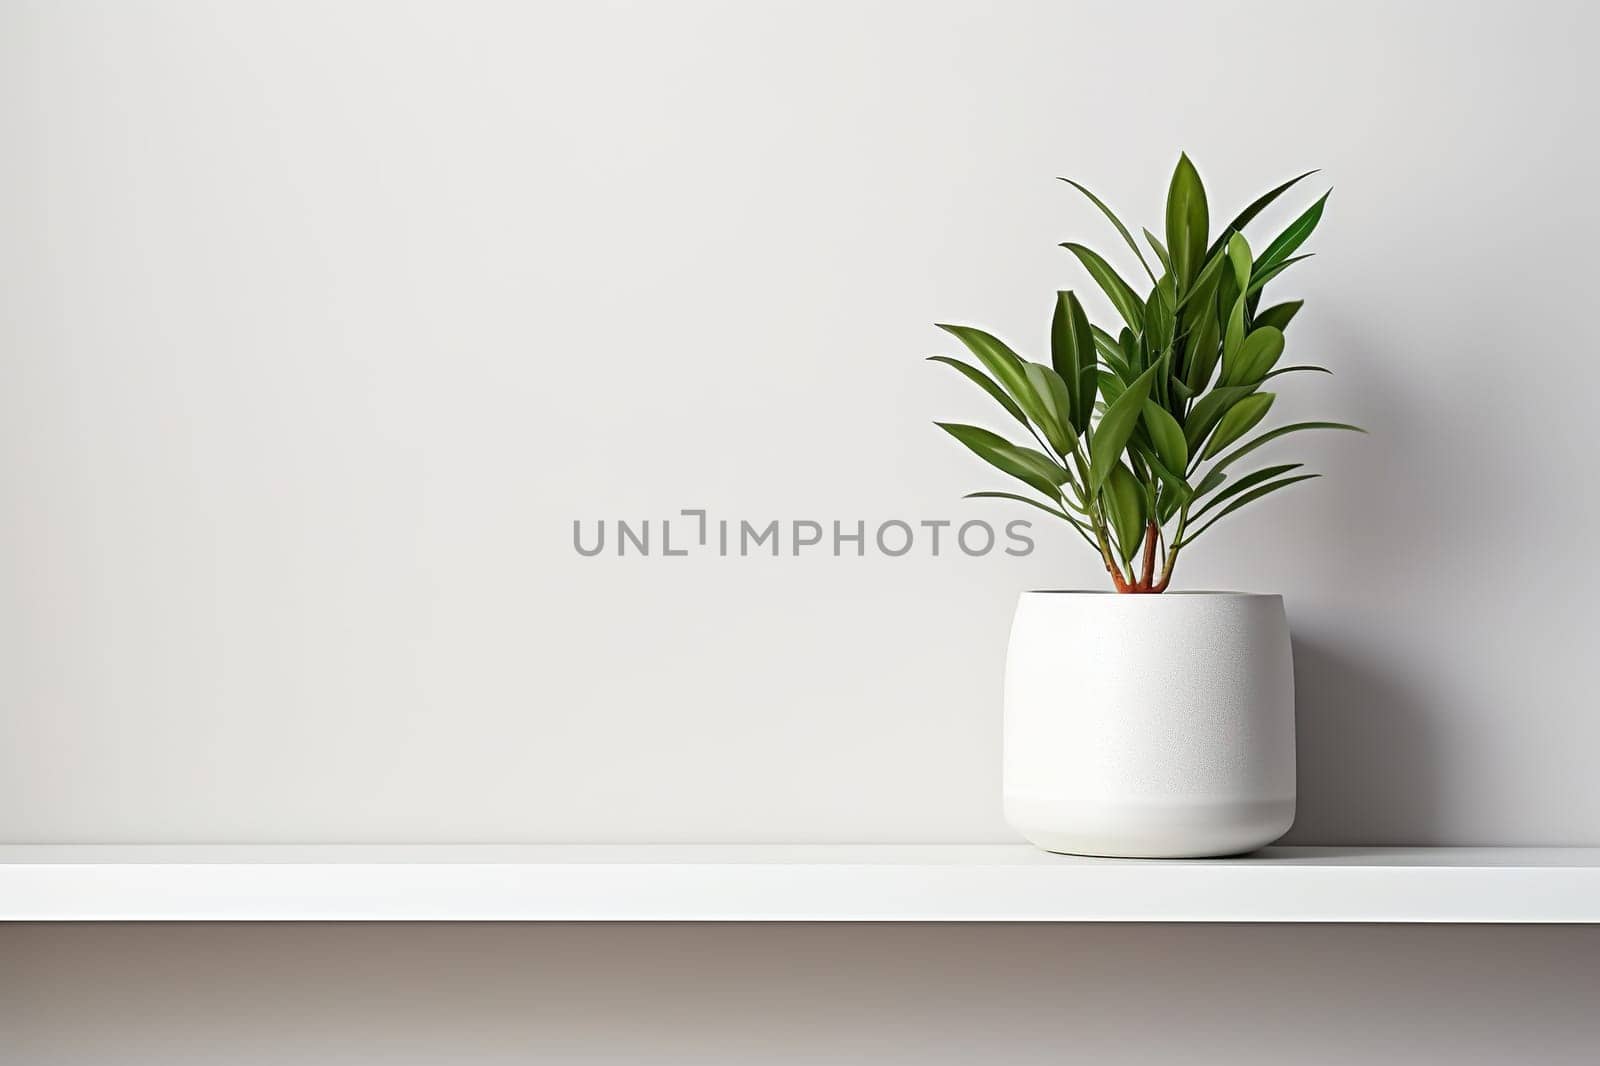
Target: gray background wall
(323,322)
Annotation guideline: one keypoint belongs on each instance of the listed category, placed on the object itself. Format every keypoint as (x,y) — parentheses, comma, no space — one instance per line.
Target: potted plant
(1143,722)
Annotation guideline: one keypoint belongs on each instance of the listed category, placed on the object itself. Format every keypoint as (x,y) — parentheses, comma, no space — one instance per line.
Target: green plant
(1138,429)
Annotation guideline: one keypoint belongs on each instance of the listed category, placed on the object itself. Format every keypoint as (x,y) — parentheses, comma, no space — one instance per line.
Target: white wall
(322,322)
(325,321)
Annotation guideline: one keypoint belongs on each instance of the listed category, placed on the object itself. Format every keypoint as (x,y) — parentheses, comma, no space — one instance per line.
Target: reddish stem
(1147,579)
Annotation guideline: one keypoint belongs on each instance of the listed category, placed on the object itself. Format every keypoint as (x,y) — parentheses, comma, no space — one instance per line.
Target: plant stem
(1150,532)
(1097,520)
(1118,582)
(1172,555)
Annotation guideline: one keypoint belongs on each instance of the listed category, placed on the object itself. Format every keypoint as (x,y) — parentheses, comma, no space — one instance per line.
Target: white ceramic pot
(1149,726)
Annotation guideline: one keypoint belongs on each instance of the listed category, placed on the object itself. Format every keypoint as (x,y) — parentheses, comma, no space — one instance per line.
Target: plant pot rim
(1113,594)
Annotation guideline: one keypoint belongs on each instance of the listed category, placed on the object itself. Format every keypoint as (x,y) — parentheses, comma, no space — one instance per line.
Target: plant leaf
(1203,350)
(1292,369)
(1249,497)
(1166,435)
(1088,381)
(1160,388)
(1128,341)
(1111,386)
(1261,203)
(1159,323)
(1262,277)
(982,380)
(1273,434)
(1279,315)
(1083,531)
(1122,296)
(1161,252)
(1111,353)
(1239,256)
(1235,334)
(1240,419)
(1208,410)
(1257,354)
(1125,504)
(1116,426)
(1046,508)
(1188,223)
(1204,283)
(1255,477)
(1174,480)
(1293,236)
(1057,404)
(1117,222)
(1071,350)
(1004,364)
(1034,469)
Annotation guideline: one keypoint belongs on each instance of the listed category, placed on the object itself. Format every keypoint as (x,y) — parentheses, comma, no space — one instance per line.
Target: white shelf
(848,883)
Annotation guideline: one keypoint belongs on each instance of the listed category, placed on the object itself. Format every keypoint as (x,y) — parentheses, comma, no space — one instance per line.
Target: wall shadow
(1370,769)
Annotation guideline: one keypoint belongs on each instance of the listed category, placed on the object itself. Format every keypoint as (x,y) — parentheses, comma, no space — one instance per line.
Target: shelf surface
(780,883)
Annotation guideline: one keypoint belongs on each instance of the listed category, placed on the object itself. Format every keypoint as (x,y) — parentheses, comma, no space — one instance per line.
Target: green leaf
(1111,386)
(1208,411)
(1088,380)
(1279,315)
(1196,331)
(1161,252)
(1057,404)
(1111,353)
(1122,297)
(1261,203)
(1213,478)
(1125,504)
(1082,530)
(979,378)
(1116,426)
(1205,284)
(1159,324)
(1166,435)
(1046,508)
(1250,480)
(1240,419)
(1257,354)
(1273,434)
(1234,337)
(1104,341)
(1173,479)
(1293,236)
(1160,389)
(1128,341)
(1071,350)
(1261,277)
(1292,369)
(1202,351)
(1004,364)
(1249,497)
(1228,294)
(1239,256)
(1034,469)
(1188,223)
(1117,222)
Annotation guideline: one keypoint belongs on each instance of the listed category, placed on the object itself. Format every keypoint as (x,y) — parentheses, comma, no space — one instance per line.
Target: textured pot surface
(1157,726)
